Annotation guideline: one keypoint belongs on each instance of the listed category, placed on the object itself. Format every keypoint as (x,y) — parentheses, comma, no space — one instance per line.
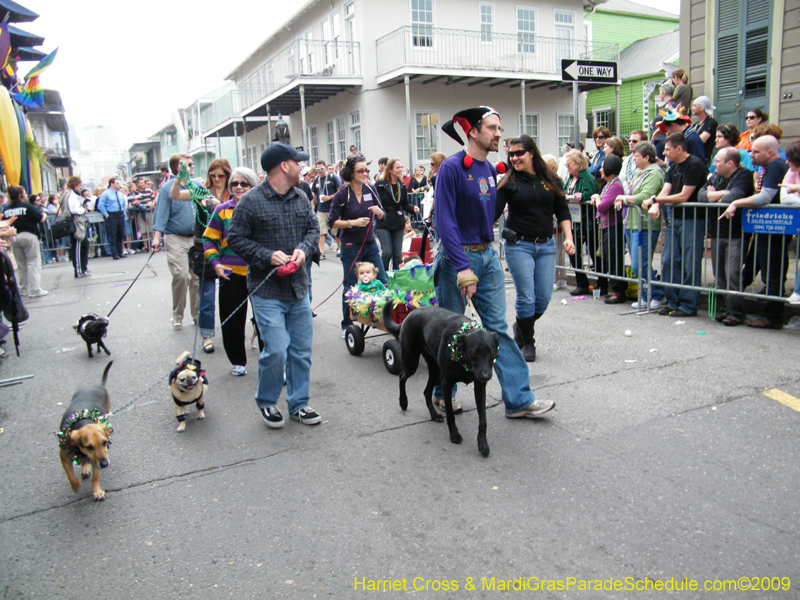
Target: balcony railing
(227,107)
(303,58)
(428,47)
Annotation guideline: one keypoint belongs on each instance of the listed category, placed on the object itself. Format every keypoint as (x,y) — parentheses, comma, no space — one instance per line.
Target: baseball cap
(275,154)
(305,171)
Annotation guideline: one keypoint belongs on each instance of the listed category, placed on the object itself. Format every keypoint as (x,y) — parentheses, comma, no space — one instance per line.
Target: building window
(331,35)
(530,126)
(604,117)
(422,23)
(350,35)
(331,141)
(355,129)
(313,143)
(306,52)
(566,129)
(487,21)
(526,28)
(565,33)
(427,136)
(290,60)
(341,139)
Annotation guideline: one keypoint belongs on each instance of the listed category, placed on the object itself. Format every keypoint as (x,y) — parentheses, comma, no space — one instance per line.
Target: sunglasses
(517,153)
(361,171)
(190,164)
(243,184)
(750,117)
(600,137)
(223,176)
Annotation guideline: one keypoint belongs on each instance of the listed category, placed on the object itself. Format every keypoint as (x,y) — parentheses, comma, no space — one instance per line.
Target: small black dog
(456,349)
(93,329)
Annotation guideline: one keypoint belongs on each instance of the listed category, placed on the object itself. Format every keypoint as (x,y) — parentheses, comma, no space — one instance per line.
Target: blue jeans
(287,333)
(490,303)
(205,315)
(350,255)
(682,260)
(639,239)
(391,247)
(533,269)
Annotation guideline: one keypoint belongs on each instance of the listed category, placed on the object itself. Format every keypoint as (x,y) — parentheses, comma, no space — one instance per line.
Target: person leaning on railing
(772,251)
(643,236)
(580,187)
(790,195)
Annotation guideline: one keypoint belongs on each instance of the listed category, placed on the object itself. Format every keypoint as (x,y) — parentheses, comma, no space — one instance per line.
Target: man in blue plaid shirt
(274,225)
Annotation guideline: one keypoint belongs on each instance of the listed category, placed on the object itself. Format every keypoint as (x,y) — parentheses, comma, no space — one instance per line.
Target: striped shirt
(215,240)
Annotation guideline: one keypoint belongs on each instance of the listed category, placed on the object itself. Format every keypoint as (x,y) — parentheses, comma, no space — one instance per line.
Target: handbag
(198,263)
(62,228)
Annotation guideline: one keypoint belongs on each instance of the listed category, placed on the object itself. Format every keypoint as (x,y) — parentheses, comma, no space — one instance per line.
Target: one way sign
(588,71)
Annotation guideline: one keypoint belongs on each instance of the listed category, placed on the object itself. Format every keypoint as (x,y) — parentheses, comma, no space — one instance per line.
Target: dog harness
(76,456)
(192,365)
(456,352)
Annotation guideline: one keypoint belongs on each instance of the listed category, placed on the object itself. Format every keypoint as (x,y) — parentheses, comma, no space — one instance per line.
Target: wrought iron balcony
(226,107)
(316,59)
(422,47)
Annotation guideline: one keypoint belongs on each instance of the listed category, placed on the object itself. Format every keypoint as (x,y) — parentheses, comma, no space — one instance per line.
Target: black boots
(524,337)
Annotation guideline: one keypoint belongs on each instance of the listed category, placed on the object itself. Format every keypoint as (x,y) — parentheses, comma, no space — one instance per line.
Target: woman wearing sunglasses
(394,198)
(754,118)
(352,210)
(533,194)
(231,270)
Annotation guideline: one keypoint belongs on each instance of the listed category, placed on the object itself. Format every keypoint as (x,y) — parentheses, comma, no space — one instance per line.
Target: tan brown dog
(85,435)
(188,385)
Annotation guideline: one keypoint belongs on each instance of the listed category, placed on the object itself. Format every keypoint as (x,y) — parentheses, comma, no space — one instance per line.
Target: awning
(19,14)
(24,53)
(23,38)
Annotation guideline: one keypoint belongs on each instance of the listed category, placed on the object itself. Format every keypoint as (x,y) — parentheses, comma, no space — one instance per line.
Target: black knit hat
(467,119)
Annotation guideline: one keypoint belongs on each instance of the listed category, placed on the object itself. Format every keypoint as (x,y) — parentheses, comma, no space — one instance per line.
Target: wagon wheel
(391,357)
(354,339)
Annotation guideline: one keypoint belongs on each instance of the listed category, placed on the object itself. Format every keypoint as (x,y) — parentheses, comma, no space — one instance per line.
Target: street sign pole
(576,108)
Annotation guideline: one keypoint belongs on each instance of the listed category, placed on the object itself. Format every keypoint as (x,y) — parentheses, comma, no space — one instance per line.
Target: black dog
(456,350)
(93,329)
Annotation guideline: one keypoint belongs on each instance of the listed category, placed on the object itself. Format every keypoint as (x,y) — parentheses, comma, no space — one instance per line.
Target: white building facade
(385,76)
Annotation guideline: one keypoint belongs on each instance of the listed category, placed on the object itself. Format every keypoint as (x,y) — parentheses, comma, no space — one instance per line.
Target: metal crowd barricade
(713,259)
(141,224)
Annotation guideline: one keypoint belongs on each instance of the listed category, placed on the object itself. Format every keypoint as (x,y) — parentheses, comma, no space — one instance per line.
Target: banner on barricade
(780,221)
(575,211)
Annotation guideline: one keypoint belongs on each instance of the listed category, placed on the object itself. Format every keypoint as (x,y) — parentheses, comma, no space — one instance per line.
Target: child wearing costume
(366,273)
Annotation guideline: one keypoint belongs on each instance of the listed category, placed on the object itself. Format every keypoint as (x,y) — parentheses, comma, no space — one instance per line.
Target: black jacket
(394,199)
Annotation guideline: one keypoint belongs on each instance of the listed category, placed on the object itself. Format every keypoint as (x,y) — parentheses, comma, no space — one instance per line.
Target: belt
(182,235)
(476,247)
(538,241)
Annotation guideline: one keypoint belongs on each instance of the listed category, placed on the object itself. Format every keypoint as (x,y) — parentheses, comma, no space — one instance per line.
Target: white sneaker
(561,284)
(536,409)
(655,304)
(439,404)
(794,298)
(39,294)
(23,292)
(639,304)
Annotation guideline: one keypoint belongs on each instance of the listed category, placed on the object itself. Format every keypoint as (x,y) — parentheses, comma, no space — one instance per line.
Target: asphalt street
(664,463)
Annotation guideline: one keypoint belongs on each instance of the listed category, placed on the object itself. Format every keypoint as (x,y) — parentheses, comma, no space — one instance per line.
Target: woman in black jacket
(26,244)
(394,199)
(533,194)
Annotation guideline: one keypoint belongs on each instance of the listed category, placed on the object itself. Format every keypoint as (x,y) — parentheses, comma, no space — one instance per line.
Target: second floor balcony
(429,50)
(224,109)
(324,66)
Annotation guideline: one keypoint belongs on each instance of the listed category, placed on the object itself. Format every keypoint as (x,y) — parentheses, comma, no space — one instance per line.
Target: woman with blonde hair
(580,187)
(683,93)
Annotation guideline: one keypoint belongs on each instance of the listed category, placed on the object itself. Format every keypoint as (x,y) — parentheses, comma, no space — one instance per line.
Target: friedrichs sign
(779,221)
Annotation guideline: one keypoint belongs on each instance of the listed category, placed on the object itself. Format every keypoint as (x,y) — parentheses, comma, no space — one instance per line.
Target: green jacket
(647,184)
(584,184)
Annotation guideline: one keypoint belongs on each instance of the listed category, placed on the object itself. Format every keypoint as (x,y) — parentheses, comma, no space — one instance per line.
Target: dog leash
(131,285)
(161,381)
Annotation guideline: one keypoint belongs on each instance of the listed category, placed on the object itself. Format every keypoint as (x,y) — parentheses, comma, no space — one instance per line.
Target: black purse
(63,228)
(198,263)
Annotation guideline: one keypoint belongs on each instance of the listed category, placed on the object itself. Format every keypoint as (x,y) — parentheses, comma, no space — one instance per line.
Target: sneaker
(38,294)
(439,404)
(794,299)
(536,409)
(87,272)
(655,304)
(639,305)
(23,292)
(679,314)
(344,333)
(664,311)
(561,284)
(338,253)
(323,257)
(238,371)
(272,417)
(307,416)
(177,325)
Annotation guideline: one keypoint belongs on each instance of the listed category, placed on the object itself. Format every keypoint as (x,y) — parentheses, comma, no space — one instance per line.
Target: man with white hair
(705,126)
(772,251)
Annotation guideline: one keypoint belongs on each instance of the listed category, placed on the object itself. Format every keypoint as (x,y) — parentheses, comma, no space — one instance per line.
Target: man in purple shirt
(466,265)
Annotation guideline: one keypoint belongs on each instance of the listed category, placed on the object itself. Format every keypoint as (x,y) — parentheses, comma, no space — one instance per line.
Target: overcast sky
(129,64)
